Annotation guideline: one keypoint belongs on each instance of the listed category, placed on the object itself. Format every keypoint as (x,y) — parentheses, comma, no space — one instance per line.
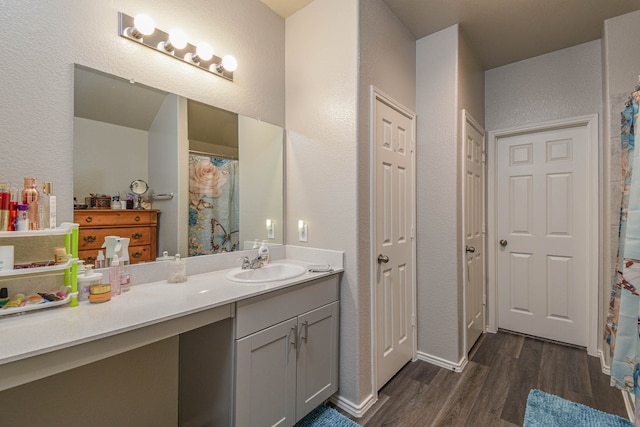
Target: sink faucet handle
(245,261)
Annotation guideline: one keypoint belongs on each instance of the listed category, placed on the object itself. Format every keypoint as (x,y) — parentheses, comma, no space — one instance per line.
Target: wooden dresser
(140,226)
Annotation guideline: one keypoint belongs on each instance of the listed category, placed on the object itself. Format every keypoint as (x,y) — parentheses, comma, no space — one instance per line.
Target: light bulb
(300,225)
(178,39)
(229,63)
(268,223)
(144,24)
(204,51)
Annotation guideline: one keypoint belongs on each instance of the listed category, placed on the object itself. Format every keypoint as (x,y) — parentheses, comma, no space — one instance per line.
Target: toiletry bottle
(114,276)
(47,205)
(5,197)
(13,209)
(100,261)
(4,296)
(263,252)
(22,219)
(30,196)
(256,244)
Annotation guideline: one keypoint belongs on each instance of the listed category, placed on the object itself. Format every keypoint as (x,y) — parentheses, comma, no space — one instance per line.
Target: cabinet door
(266,377)
(317,358)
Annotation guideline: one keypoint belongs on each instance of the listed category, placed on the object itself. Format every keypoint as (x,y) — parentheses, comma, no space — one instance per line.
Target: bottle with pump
(5,197)
(114,276)
(31,196)
(100,261)
(263,252)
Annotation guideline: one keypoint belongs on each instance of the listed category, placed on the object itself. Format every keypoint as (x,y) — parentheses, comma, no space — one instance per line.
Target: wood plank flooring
(493,388)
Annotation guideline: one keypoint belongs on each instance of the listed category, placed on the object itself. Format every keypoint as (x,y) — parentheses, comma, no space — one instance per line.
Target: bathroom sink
(266,273)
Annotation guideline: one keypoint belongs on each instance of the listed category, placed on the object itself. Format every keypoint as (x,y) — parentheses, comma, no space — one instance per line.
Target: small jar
(177,270)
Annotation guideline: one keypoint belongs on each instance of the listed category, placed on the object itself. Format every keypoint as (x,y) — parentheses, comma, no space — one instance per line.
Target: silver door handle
(469,249)
(382,259)
(503,243)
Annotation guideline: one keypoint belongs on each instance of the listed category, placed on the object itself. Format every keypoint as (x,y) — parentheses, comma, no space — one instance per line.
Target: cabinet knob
(88,219)
(90,259)
(136,254)
(136,236)
(89,239)
(137,218)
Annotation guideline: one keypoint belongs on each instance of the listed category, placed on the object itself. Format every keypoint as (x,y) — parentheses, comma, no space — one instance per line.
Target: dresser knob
(89,239)
(136,254)
(136,236)
(90,259)
(88,219)
(137,218)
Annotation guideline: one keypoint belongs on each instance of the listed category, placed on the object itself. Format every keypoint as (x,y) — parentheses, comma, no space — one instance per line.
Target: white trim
(591,123)
(606,369)
(351,408)
(435,360)
(629,404)
(467,119)
(377,94)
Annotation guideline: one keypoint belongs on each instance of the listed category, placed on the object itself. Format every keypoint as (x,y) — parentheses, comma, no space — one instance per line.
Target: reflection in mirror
(125,131)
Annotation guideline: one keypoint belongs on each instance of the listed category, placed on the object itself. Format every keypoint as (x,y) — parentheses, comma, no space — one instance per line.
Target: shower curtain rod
(220,156)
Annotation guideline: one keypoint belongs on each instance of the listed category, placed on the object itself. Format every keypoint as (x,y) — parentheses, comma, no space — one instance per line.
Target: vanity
(209,351)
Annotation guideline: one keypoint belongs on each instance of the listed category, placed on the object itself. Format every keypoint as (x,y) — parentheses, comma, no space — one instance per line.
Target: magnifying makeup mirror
(139,187)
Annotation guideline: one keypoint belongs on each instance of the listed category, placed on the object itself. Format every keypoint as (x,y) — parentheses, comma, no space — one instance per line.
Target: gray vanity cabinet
(286,353)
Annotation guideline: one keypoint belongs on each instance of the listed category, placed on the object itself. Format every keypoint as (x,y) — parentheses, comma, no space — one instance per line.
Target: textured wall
(321,119)
(558,85)
(388,62)
(621,71)
(43,39)
(437,222)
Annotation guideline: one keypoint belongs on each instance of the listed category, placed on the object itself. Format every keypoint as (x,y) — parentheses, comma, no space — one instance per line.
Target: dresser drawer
(93,238)
(136,254)
(114,218)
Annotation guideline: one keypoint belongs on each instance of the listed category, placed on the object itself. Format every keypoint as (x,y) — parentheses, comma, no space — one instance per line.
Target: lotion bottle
(30,196)
(47,207)
(263,252)
(114,276)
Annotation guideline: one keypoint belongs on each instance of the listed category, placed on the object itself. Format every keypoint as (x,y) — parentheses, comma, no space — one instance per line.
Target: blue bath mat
(547,410)
(323,416)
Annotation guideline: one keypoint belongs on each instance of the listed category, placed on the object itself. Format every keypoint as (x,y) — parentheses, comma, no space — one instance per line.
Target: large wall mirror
(215,177)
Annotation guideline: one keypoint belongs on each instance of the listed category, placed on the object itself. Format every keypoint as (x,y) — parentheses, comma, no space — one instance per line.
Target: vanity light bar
(140,30)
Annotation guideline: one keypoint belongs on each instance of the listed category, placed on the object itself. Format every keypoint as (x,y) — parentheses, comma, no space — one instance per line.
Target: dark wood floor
(492,390)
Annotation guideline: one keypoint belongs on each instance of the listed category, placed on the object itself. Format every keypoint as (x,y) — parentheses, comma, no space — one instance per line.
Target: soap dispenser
(177,270)
(263,252)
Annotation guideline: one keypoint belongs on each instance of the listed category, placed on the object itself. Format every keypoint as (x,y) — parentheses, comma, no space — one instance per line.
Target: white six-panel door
(474,233)
(542,228)
(394,281)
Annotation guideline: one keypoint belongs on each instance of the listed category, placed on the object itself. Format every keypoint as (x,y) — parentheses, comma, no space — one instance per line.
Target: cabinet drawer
(107,217)
(254,314)
(94,238)
(136,254)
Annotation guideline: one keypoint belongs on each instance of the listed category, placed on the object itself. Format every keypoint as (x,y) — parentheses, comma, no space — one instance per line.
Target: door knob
(503,243)
(469,249)
(382,259)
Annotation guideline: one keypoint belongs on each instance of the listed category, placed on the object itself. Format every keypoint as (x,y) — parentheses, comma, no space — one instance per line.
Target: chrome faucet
(251,264)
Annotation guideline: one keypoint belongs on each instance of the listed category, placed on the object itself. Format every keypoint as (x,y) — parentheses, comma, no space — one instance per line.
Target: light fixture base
(159,37)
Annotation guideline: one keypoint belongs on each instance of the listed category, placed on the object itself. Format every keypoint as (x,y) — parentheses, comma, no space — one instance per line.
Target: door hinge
(484,230)
(413,145)
(484,300)
(412,236)
(484,156)
(413,320)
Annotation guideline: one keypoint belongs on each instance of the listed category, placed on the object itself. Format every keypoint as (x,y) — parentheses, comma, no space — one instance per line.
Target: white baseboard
(351,408)
(606,369)
(434,360)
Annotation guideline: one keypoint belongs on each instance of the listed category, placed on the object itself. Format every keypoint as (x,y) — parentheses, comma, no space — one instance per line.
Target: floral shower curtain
(623,321)
(213,205)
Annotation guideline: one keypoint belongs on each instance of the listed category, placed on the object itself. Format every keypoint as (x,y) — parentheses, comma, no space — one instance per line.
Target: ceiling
(501,31)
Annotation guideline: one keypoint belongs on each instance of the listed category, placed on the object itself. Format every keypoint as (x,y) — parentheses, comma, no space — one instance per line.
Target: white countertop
(48,330)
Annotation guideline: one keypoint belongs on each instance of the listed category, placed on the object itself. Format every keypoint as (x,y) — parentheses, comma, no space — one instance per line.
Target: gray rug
(324,416)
